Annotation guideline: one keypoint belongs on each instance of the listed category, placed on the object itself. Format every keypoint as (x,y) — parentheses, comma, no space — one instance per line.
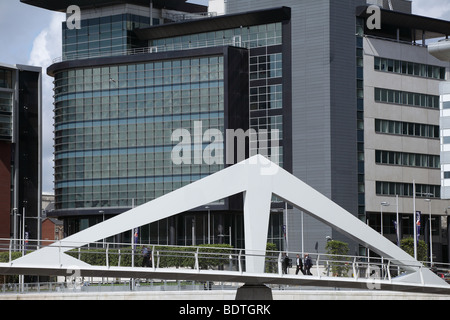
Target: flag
(418,213)
(27,236)
(136,235)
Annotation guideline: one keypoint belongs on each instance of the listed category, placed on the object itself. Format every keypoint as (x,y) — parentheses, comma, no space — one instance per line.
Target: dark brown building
(20,150)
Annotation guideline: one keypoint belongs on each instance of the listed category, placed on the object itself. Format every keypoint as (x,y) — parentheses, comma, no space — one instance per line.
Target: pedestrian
(299,263)
(308,265)
(145,257)
(285,263)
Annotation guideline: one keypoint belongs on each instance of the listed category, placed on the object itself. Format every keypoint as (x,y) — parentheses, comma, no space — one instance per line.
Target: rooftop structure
(62,5)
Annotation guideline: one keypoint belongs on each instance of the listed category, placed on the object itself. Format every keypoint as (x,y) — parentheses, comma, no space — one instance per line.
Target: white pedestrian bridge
(258,179)
(227,265)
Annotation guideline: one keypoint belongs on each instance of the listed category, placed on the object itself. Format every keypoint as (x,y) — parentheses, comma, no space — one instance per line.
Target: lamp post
(15,227)
(103,216)
(431,231)
(414,220)
(383,204)
(209,224)
(428,199)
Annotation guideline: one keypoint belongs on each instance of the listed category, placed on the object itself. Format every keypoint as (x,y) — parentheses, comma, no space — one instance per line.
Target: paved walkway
(230,295)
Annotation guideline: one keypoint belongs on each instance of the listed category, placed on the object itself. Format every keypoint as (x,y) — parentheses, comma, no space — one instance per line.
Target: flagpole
(414,220)
(398,226)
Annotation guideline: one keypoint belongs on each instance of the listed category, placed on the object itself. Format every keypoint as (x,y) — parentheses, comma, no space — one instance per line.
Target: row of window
(149,123)
(406,189)
(5,79)
(249,37)
(266,66)
(406,98)
(145,75)
(133,112)
(105,34)
(6,102)
(268,123)
(126,136)
(140,183)
(266,97)
(126,170)
(141,70)
(407,128)
(105,23)
(410,68)
(407,159)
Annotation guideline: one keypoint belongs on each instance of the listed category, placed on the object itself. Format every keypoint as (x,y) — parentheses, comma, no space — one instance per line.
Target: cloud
(439,9)
(47,46)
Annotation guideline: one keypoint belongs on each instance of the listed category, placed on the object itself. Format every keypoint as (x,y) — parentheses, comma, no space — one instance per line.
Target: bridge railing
(222,258)
(356,267)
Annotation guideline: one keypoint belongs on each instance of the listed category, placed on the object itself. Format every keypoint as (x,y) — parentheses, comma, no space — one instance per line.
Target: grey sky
(33,36)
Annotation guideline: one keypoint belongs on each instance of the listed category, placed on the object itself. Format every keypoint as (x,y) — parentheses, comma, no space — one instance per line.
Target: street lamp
(431,233)
(383,204)
(103,215)
(209,224)
(428,199)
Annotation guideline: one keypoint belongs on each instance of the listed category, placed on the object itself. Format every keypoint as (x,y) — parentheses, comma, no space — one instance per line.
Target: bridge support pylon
(251,291)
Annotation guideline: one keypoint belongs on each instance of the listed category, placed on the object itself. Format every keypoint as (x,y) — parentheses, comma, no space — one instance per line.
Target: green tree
(339,263)
(271,258)
(407,245)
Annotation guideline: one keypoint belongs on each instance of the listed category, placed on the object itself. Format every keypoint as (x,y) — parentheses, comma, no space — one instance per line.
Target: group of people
(303,265)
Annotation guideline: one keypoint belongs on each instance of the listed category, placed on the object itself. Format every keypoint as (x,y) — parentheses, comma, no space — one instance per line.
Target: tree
(271,258)
(407,245)
(338,251)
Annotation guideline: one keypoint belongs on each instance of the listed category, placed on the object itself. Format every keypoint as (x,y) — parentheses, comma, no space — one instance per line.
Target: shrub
(407,245)
(337,251)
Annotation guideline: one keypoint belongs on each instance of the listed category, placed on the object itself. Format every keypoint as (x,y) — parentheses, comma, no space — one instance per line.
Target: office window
(6,79)
(409,68)
(446,105)
(406,98)
(406,189)
(407,159)
(407,128)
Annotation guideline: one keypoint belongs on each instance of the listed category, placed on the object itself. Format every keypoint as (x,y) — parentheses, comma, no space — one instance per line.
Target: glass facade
(249,37)
(114,123)
(114,127)
(101,36)
(265,69)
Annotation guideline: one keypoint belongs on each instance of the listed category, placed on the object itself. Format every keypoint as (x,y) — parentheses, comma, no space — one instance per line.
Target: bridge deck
(227,276)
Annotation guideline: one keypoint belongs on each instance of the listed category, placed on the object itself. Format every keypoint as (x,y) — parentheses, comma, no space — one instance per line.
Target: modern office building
(20,150)
(401,127)
(356,110)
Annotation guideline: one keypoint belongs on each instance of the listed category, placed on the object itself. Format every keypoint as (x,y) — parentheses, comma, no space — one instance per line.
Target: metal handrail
(155,49)
(234,257)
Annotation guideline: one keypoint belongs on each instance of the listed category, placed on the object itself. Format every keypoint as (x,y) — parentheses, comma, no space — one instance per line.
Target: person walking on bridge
(299,263)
